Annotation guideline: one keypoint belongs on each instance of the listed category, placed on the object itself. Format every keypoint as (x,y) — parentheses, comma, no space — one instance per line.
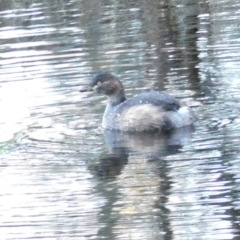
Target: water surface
(62,176)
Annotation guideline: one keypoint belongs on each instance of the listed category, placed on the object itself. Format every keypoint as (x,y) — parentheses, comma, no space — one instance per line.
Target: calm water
(62,177)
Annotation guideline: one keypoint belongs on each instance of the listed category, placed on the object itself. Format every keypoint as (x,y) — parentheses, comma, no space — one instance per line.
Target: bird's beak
(86,89)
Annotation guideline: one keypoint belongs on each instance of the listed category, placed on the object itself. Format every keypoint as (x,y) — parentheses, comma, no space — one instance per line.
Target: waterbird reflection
(151,146)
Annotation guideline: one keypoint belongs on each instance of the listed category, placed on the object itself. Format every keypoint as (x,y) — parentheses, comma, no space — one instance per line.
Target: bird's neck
(114,101)
(116,98)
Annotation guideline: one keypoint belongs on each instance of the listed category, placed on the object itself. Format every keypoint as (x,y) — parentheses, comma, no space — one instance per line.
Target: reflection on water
(62,177)
(151,146)
(148,142)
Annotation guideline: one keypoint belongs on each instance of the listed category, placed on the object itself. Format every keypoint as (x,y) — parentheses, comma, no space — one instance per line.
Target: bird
(146,112)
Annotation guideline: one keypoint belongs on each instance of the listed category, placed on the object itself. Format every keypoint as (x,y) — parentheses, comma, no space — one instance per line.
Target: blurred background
(62,176)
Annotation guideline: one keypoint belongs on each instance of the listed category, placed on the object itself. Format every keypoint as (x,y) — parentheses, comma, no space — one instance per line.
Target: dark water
(62,177)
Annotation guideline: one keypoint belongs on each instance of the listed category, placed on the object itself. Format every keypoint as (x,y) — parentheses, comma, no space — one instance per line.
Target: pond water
(62,176)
